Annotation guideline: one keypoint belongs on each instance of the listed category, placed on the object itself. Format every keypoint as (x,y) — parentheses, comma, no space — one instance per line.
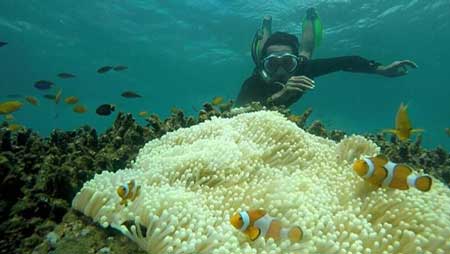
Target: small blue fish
(65,75)
(43,84)
(120,68)
(130,94)
(2,43)
(105,109)
(49,96)
(104,69)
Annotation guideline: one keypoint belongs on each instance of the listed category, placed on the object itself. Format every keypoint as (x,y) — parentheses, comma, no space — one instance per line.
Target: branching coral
(192,180)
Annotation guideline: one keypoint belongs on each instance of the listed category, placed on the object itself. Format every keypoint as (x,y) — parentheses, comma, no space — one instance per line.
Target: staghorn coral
(193,179)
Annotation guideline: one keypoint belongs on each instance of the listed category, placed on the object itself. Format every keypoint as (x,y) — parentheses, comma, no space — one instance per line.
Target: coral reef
(76,235)
(40,176)
(193,179)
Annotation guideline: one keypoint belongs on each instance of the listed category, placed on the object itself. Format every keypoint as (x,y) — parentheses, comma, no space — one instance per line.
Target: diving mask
(287,61)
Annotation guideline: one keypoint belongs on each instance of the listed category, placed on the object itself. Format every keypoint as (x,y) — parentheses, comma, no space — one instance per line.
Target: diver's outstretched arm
(318,67)
(312,33)
(396,69)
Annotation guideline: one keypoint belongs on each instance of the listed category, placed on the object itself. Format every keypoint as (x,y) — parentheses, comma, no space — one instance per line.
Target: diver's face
(281,74)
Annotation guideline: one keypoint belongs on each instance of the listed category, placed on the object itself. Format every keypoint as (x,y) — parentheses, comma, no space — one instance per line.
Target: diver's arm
(396,69)
(319,67)
(290,92)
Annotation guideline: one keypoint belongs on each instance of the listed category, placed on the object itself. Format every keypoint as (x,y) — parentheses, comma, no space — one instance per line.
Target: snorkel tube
(261,36)
(256,39)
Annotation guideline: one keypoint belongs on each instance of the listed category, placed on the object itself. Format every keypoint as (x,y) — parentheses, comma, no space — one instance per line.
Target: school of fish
(10,106)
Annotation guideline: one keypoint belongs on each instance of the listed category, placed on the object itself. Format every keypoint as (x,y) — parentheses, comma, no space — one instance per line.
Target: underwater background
(184,53)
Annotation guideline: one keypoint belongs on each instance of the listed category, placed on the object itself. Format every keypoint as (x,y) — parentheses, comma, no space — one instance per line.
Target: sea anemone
(193,179)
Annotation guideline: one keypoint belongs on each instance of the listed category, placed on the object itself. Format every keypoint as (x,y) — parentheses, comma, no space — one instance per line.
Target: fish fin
(253,232)
(130,185)
(318,32)
(423,183)
(136,193)
(406,169)
(393,131)
(417,130)
(311,15)
(295,234)
(383,158)
(403,106)
(255,214)
(401,173)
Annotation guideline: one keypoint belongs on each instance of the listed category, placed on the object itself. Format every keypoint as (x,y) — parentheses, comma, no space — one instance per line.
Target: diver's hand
(295,86)
(396,69)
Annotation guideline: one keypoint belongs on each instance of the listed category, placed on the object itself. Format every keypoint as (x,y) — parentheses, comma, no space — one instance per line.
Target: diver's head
(280,56)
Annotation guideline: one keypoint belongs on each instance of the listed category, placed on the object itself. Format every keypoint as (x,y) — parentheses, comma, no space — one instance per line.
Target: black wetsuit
(256,89)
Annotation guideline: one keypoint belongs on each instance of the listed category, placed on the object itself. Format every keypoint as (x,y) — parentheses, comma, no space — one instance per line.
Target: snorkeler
(284,71)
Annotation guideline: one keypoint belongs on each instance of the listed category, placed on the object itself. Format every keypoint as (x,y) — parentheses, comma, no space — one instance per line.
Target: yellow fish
(79,109)
(294,118)
(380,171)
(32,100)
(447,130)
(9,117)
(403,128)
(217,100)
(143,114)
(58,96)
(8,107)
(256,223)
(71,100)
(128,191)
(14,127)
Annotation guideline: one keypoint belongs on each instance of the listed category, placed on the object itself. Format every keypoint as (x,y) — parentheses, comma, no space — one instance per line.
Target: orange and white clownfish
(380,171)
(256,223)
(128,191)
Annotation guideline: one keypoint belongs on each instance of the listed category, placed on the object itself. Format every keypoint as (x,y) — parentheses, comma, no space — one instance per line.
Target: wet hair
(281,38)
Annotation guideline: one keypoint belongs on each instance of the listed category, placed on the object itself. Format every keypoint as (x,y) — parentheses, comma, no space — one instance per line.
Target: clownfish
(256,223)
(128,191)
(380,171)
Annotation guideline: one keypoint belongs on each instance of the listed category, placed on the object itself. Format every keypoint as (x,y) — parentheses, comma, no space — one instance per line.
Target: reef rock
(193,179)
(40,176)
